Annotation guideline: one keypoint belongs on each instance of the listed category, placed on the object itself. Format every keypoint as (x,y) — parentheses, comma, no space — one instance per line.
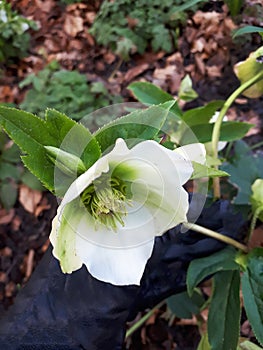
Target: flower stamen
(106,200)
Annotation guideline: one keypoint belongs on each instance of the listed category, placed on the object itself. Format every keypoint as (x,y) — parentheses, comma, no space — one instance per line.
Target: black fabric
(72,312)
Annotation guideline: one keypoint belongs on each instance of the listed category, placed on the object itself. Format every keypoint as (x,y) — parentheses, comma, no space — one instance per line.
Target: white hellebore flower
(111,213)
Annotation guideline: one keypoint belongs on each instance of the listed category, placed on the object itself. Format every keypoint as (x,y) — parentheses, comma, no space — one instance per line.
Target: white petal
(116,266)
(117,257)
(101,166)
(194,152)
(161,174)
(63,239)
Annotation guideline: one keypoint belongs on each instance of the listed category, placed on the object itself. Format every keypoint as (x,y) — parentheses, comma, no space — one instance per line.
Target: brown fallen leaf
(73,25)
(29,198)
(135,71)
(6,216)
(43,205)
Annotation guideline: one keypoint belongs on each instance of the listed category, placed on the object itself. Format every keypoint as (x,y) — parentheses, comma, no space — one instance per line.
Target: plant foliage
(14,37)
(67,91)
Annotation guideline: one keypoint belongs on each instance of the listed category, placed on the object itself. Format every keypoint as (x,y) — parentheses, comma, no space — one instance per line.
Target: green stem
(256,145)
(218,123)
(216,235)
(254,220)
(142,320)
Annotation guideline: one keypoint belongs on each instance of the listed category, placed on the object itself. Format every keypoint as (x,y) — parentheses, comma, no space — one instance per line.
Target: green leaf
(234,6)
(201,170)
(230,131)
(252,288)
(12,154)
(68,163)
(186,5)
(184,306)
(31,134)
(199,269)
(248,69)
(247,30)
(204,343)
(224,312)
(8,170)
(31,181)
(246,167)
(247,345)
(186,92)
(151,94)
(8,194)
(257,197)
(135,127)
(202,115)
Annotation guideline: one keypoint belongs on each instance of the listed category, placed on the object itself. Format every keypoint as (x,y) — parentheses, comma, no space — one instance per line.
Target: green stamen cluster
(106,199)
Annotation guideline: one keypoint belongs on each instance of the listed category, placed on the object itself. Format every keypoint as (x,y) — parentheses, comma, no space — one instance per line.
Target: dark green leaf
(133,128)
(31,181)
(8,194)
(244,170)
(252,288)
(8,170)
(224,312)
(230,131)
(12,154)
(247,30)
(184,306)
(201,268)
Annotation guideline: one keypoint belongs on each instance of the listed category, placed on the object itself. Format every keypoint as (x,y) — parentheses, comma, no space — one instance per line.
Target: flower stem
(254,220)
(142,320)
(216,235)
(218,123)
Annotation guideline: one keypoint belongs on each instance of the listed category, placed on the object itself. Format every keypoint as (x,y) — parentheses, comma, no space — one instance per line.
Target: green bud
(66,162)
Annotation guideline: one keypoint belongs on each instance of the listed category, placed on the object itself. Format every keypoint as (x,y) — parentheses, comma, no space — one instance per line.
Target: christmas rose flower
(111,213)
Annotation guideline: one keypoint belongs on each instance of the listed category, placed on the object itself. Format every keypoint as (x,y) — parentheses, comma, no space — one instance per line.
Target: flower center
(106,200)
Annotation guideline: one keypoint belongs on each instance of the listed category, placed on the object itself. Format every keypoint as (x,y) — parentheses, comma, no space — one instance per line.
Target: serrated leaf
(31,134)
(252,288)
(201,170)
(184,306)
(199,269)
(224,312)
(151,94)
(230,131)
(248,69)
(135,127)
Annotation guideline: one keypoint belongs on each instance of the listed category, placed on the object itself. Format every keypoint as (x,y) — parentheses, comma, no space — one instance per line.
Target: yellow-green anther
(106,201)
(68,163)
